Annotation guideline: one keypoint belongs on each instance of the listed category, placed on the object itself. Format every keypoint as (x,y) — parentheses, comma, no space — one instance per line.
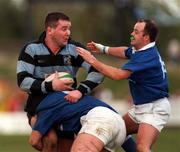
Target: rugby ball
(61,76)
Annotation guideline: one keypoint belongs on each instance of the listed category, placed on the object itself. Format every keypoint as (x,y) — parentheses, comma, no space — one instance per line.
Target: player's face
(61,33)
(137,36)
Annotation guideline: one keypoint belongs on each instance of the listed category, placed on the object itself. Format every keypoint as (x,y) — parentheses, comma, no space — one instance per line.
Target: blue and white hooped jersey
(148,81)
(36,61)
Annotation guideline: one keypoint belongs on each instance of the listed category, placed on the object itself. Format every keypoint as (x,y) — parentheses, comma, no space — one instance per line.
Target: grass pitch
(167,142)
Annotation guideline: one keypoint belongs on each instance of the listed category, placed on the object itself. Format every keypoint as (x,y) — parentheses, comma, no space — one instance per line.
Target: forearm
(34,86)
(117,51)
(109,71)
(114,51)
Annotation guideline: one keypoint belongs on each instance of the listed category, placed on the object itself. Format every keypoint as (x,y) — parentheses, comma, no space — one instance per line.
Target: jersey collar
(152,44)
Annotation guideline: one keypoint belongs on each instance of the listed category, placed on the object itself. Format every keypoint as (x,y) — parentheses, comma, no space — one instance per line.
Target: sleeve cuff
(48,86)
(82,89)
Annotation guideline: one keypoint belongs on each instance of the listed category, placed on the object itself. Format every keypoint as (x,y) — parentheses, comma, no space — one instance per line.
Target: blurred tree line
(106,21)
(109,22)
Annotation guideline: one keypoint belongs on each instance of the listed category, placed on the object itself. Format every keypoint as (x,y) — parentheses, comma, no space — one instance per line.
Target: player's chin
(65,43)
(132,42)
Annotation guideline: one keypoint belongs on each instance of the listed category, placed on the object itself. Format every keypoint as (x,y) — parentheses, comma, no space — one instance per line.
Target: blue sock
(129,145)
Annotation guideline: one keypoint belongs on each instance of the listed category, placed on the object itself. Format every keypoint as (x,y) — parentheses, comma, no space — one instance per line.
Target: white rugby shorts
(155,113)
(106,125)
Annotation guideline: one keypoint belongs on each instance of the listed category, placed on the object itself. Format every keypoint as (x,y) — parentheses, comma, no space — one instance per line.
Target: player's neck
(52,46)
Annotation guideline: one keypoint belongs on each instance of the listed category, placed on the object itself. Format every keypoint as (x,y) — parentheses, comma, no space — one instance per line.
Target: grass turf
(167,142)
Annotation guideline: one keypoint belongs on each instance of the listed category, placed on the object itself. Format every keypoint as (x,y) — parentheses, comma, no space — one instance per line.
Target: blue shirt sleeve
(140,61)
(128,52)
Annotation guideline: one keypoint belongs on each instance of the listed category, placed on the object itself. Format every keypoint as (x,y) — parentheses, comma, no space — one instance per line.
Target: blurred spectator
(11,97)
(174,52)
(16,101)
(102,93)
(4,93)
(106,95)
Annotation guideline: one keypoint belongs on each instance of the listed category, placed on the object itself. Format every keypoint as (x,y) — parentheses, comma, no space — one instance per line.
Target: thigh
(131,126)
(147,134)
(92,144)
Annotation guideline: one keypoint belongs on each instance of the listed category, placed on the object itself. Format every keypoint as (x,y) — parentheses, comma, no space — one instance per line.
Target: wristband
(103,49)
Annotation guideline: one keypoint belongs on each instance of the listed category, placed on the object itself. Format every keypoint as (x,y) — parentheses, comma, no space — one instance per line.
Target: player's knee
(79,148)
(140,147)
(85,147)
(92,143)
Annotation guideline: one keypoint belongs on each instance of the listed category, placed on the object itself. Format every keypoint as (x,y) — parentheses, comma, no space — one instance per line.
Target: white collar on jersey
(152,44)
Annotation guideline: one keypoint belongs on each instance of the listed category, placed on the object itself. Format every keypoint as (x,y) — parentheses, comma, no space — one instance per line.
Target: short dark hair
(150,29)
(53,17)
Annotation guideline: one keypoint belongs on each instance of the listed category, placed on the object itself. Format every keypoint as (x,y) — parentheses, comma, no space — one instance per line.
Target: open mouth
(66,40)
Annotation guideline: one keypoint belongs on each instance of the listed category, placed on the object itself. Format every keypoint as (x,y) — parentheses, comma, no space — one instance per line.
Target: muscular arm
(114,51)
(117,51)
(109,71)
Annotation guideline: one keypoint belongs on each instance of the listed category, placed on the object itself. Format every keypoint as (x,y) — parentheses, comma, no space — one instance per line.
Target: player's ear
(49,30)
(146,37)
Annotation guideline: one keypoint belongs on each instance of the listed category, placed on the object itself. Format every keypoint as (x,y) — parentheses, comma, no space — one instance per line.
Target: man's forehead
(64,23)
(139,26)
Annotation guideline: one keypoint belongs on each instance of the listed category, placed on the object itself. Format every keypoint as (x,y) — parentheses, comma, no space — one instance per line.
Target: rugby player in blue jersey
(148,82)
(95,123)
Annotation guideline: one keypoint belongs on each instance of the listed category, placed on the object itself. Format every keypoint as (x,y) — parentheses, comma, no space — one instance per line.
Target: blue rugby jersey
(54,109)
(148,81)
(36,61)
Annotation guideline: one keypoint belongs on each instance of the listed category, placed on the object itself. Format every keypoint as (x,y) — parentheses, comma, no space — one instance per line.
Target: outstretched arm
(109,71)
(115,51)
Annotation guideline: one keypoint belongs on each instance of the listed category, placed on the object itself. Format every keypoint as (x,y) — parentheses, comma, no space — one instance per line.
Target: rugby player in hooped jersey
(54,51)
(148,82)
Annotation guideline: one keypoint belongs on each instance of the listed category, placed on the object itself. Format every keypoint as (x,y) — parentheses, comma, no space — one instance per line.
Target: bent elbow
(119,76)
(116,77)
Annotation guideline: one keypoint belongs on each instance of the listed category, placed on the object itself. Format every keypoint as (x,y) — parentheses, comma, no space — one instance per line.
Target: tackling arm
(115,51)
(109,71)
